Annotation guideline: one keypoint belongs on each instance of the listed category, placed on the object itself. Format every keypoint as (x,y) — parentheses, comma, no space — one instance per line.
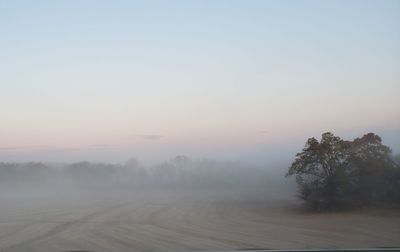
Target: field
(168,220)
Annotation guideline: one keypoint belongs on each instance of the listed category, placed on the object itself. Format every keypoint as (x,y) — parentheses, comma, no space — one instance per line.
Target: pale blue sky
(106,80)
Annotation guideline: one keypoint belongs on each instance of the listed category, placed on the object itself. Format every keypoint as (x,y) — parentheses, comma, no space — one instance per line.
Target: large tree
(319,170)
(333,172)
(375,171)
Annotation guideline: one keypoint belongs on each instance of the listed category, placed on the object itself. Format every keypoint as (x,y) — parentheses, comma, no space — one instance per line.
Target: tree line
(178,171)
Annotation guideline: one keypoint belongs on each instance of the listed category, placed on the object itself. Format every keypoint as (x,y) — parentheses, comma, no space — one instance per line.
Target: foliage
(333,173)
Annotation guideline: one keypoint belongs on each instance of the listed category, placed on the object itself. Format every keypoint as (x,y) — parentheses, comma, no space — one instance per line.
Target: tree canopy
(333,172)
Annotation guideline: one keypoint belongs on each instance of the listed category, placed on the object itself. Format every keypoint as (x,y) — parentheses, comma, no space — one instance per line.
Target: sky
(240,80)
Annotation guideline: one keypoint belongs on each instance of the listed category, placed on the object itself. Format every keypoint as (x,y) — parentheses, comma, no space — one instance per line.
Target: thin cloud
(18,148)
(101,146)
(152,137)
(56,148)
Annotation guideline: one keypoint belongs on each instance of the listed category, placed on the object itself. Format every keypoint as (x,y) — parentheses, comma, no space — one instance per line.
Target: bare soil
(160,221)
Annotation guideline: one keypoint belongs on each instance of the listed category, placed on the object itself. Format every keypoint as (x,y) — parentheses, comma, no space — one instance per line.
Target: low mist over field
(212,125)
(182,204)
(179,173)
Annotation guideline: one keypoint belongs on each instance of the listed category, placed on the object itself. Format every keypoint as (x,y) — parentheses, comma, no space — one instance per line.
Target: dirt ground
(160,221)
